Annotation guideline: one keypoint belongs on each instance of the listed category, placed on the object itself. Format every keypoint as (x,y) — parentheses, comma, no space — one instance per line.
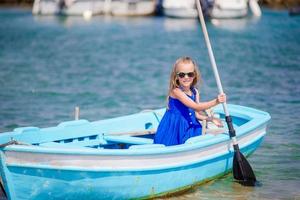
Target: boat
(216,9)
(68,7)
(116,158)
(229,9)
(88,8)
(179,9)
(130,7)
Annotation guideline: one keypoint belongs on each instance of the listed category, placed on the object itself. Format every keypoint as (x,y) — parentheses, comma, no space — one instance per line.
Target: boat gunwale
(258,121)
(206,142)
(166,167)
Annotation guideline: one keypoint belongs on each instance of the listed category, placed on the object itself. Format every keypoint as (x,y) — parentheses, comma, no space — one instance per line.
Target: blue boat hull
(48,183)
(72,169)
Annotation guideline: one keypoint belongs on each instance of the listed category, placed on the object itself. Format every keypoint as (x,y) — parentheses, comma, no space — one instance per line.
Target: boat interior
(128,132)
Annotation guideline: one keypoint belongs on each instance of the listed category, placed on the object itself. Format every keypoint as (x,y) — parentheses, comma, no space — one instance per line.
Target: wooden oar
(242,170)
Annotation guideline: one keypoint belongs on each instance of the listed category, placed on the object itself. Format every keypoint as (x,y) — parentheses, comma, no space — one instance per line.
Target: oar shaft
(211,54)
(242,170)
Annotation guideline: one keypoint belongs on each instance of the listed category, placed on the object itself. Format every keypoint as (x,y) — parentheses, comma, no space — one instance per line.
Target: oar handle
(211,55)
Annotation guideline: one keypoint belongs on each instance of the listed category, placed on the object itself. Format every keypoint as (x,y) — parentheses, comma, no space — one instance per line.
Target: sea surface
(113,66)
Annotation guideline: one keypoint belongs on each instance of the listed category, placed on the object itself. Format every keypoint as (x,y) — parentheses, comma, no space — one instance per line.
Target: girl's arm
(181,96)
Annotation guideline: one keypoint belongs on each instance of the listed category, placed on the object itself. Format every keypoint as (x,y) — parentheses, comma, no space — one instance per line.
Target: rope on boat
(154,113)
(12,142)
(8,143)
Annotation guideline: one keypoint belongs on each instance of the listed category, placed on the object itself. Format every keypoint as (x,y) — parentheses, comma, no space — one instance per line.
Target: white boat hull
(94,7)
(229,9)
(181,13)
(180,9)
(226,14)
(133,9)
(220,9)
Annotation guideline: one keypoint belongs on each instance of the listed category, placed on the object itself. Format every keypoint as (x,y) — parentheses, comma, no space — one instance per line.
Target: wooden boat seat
(209,127)
(146,146)
(84,142)
(62,145)
(127,139)
(199,138)
(135,133)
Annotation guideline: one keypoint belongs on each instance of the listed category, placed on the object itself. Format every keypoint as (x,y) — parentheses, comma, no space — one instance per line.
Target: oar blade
(242,171)
(2,190)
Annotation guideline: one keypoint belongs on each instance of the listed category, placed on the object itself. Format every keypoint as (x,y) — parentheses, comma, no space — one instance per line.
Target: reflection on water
(237,24)
(69,21)
(64,20)
(177,24)
(224,188)
(170,24)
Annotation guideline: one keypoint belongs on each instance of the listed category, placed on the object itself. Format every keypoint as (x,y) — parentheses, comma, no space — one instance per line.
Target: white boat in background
(229,9)
(132,7)
(88,8)
(67,7)
(218,9)
(180,8)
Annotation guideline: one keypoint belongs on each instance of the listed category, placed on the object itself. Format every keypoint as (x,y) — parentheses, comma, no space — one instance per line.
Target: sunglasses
(189,74)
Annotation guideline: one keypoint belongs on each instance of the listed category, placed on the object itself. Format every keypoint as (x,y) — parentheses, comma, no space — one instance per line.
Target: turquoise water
(117,66)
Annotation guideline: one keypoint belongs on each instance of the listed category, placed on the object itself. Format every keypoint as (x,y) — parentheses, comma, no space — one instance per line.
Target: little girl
(180,121)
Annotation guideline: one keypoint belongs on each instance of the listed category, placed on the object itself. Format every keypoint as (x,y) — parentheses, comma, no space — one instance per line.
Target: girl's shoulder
(175,92)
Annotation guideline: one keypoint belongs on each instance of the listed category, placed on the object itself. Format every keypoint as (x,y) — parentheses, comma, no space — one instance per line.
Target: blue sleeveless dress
(178,124)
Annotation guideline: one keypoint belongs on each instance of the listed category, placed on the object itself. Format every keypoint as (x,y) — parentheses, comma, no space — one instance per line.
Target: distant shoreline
(27,6)
(274,4)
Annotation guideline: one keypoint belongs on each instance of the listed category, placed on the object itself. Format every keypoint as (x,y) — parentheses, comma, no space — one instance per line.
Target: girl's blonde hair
(174,82)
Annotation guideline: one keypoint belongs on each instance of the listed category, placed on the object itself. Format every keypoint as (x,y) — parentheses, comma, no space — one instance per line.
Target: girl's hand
(221,98)
(217,122)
